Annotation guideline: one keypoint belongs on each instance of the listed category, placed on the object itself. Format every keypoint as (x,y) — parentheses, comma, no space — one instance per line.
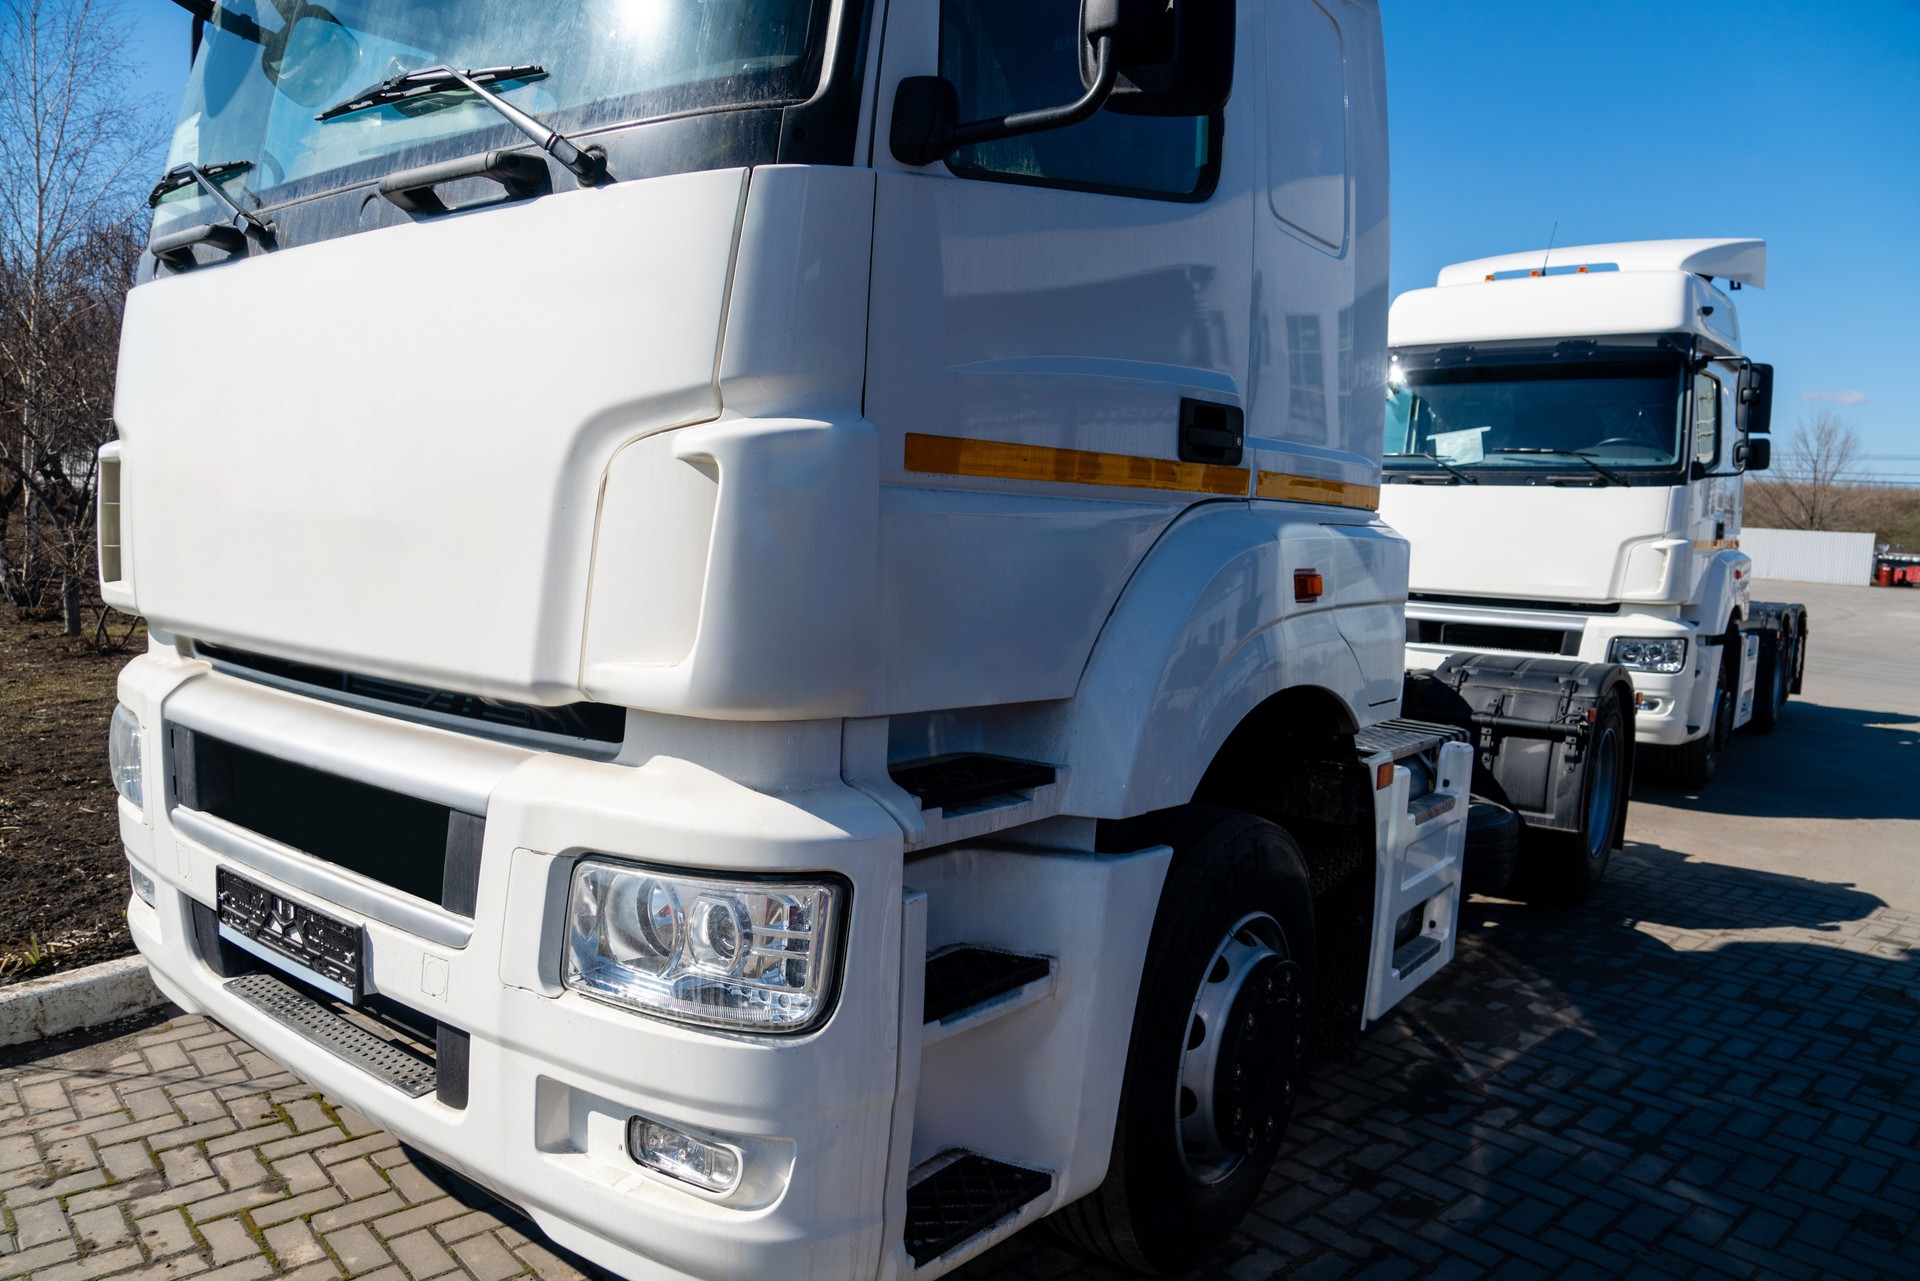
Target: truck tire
(1773,680)
(1493,847)
(1691,766)
(1567,867)
(1218,1051)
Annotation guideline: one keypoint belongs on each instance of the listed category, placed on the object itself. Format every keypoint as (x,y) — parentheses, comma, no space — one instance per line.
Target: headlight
(123,755)
(1649,655)
(758,955)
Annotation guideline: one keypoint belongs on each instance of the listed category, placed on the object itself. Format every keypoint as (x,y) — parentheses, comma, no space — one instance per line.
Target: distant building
(1810,556)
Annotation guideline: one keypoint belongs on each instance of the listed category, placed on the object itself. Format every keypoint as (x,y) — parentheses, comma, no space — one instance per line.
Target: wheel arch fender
(1721,595)
(1204,634)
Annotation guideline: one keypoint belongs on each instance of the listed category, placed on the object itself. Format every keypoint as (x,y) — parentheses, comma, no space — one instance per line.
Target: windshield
(266,68)
(1622,414)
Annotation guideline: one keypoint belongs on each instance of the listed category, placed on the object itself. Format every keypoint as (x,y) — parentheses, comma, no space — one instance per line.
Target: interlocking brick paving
(1708,1071)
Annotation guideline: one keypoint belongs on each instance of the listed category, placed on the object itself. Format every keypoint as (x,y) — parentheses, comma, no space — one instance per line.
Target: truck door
(1041,309)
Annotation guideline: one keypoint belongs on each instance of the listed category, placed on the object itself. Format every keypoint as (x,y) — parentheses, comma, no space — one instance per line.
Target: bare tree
(1810,486)
(74,144)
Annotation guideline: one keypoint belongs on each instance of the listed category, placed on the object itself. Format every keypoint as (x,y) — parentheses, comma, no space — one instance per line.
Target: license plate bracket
(312,946)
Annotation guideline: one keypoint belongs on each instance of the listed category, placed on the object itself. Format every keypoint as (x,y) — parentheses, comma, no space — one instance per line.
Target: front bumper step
(375,1055)
(964,1198)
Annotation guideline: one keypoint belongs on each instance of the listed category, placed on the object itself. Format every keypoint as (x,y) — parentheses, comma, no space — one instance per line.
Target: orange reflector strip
(1383,777)
(1315,489)
(1308,585)
(999,460)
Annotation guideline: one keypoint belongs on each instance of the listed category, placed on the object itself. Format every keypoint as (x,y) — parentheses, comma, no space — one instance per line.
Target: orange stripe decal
(1315,489)
(999,460)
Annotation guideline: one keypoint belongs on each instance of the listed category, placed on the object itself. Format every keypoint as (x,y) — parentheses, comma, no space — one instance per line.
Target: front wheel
(1692,765)
(1218,1050)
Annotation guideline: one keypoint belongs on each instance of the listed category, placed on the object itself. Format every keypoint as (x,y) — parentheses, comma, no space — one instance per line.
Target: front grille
(1509,602)
(593,722)
(418,847)
(1527,640)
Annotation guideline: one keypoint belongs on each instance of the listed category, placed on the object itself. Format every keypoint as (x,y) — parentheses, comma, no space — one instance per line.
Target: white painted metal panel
(1810,556)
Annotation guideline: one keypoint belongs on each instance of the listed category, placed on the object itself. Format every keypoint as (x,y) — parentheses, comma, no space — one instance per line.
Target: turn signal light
(1308,585)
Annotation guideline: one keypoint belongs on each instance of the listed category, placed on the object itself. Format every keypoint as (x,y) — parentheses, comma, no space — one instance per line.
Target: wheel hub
(1243,1050)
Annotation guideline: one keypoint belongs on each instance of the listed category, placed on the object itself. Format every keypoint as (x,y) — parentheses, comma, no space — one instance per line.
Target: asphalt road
(1833,794)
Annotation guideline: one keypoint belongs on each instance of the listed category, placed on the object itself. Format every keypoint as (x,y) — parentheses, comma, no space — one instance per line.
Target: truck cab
(1567,437)
(770,634)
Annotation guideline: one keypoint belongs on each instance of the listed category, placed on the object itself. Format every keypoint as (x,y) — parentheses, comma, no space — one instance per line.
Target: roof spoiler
(1742,262)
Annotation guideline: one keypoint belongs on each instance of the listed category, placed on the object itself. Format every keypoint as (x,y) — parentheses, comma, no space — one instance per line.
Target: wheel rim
(1244,1037)
(1601,800)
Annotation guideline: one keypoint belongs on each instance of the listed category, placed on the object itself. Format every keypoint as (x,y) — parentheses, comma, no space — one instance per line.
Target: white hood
(294,483)
(1545,542)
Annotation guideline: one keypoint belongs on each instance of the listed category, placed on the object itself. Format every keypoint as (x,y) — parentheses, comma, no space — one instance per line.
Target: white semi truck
(1567,436)
(770,634)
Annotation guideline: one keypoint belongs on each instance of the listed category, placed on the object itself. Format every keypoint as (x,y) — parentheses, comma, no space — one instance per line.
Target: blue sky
(1644,119)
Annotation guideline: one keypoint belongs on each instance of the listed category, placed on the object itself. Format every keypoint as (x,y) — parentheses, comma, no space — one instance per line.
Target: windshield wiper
(1613,477)
(1442,463)
(232,234)
(589,165)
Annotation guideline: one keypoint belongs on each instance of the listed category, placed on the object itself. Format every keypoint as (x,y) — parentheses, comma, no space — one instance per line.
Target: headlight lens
(738,954)
(123,755)
(1667,655)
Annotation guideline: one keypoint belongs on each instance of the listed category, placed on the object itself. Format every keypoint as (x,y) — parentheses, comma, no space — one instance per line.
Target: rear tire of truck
(1492,848)
(1567,867)
(1216,1060)
(1773,680)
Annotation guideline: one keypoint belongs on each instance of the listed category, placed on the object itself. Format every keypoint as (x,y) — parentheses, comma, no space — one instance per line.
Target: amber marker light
(1308,585)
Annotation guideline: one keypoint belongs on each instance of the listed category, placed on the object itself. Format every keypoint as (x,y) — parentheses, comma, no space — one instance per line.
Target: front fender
(1207,630)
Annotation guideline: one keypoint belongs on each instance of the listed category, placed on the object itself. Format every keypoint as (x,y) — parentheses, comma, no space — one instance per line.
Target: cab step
(964,979)
(963,1198)
(964,779)
(377,1056)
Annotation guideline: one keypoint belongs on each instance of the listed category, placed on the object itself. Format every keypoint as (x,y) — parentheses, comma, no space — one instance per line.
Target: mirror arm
(938,139)
(1026,122)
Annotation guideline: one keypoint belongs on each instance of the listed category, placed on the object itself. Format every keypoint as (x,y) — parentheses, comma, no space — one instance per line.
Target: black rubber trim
(963,1199)
(452,1054)
(381,1059)
(942,782)
(963,977)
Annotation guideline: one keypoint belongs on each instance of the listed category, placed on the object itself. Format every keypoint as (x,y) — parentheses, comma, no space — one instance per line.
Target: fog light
(142,883)
(665,1149)
(123,755)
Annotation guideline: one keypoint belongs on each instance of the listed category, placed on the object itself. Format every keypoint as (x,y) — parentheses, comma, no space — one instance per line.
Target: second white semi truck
(1568,432)
(770,637)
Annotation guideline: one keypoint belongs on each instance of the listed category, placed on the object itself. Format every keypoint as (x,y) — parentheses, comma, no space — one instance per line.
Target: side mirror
(1754,453)
(1174,57)
(1756,400)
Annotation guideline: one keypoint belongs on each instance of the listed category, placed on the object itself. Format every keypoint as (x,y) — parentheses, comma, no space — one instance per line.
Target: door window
(1706,419)
(1307,135)
(1006,56)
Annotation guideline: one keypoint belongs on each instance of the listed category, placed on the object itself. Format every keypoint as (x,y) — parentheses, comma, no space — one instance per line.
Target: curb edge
(61,1003)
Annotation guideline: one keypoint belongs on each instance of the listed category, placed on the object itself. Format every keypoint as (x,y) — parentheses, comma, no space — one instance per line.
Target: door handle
(1211,432)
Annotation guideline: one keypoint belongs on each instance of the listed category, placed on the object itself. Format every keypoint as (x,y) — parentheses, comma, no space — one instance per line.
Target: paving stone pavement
(1707,1072)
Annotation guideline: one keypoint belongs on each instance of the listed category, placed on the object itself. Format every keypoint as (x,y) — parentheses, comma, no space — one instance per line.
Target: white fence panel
(1810,556)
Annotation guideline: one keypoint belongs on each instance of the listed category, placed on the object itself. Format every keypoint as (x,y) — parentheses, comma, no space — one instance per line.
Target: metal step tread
(942,782)
(962,977)
(963,1199)
(380,1058)
(1404,737)
(1414,954)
